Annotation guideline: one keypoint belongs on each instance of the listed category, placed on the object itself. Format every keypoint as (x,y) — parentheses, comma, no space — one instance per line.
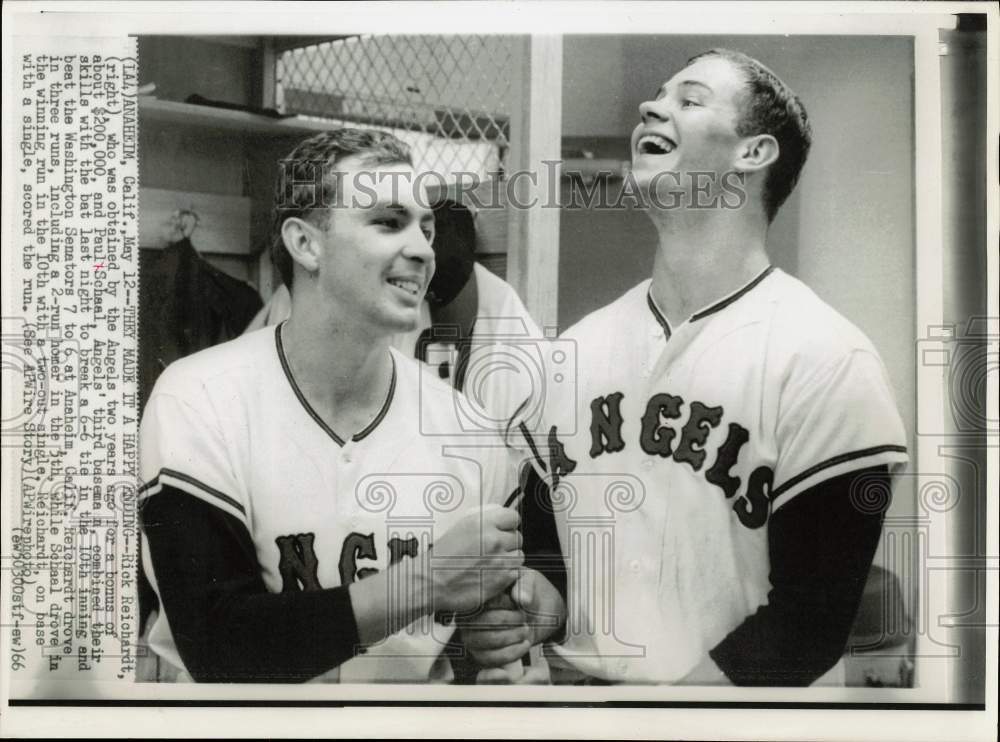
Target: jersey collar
(657,314)
(718,306)
(360,435)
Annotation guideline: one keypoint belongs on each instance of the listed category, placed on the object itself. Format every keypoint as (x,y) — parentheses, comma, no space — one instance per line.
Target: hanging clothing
(185,305)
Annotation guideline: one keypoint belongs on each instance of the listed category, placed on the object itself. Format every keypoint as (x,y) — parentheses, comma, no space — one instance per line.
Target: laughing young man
(730,421)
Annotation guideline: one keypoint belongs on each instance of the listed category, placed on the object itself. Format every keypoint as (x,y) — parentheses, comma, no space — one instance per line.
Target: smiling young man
(732,426)
(292,496)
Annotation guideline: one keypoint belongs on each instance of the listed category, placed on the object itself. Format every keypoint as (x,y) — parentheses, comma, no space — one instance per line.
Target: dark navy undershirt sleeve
(821,548)
(540,539)
(542,551)
(227,627)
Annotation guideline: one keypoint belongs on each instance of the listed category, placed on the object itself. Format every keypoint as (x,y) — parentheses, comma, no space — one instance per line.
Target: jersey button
(634,565)
(647,464)
(346,456)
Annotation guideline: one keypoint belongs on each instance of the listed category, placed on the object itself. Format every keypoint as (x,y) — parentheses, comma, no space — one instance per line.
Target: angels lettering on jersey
(686,446)
(298,564)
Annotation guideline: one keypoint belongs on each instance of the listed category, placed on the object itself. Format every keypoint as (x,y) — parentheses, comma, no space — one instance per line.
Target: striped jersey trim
(720,305)
(660,317)
(314,415)
(154,485)
(531,444)
(385,406)
(831,462)
(514,498)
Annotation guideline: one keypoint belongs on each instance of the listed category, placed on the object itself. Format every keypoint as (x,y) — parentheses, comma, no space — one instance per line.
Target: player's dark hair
(770,107)
(313,162)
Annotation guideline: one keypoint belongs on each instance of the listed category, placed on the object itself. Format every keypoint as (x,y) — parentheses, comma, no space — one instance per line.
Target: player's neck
(343,371)
(702,257)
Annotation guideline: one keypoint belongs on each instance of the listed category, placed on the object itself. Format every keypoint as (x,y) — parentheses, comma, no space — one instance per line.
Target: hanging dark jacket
(185,305)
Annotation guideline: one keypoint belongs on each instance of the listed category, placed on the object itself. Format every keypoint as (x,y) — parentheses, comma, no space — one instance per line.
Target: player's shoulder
(489,279)
(227,366)
(420,385)
(610,317)
(806,328)
(501,313)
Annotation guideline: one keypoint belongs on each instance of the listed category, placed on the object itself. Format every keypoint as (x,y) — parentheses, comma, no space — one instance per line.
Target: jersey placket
(348,467)
(659,335)
(650,565)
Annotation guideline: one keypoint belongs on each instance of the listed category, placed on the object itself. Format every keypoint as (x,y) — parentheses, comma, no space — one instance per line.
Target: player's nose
(418,246)
(654,110)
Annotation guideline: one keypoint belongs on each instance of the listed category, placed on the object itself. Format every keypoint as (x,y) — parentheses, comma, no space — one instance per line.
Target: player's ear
(756,153)
(302,242)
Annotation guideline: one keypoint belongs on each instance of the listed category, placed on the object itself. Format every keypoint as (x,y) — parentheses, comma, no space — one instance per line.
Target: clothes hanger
(183,223)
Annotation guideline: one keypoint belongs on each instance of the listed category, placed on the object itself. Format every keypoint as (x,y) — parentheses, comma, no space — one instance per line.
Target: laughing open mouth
(654,144)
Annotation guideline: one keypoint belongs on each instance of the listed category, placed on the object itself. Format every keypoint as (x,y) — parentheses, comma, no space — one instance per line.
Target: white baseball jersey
(683,443)
(230,426)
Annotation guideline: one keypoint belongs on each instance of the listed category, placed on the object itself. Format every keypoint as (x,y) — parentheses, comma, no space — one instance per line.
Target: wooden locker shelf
(207,117)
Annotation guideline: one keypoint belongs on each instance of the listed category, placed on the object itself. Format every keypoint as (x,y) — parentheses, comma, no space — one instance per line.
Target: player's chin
(401,319)
(659,190)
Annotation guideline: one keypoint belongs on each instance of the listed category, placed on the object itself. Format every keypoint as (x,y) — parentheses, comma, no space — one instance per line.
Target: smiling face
(376,260)
(691,123)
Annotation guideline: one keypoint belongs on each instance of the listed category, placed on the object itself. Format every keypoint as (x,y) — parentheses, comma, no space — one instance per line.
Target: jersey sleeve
(182,445)
(218,618)
(820,549)
(838,419)
(223,624)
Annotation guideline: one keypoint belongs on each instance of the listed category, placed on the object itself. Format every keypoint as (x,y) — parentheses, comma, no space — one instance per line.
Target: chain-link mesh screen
(448,97)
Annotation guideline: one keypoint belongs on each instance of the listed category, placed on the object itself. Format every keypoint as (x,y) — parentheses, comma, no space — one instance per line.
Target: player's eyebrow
(683,83)
(424,215)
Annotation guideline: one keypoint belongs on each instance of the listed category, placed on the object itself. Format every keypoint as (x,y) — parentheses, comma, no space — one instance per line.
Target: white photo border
(682,712)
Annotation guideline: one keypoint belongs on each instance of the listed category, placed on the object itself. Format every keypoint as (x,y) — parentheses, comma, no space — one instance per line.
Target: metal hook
(188,220)
(182,224)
